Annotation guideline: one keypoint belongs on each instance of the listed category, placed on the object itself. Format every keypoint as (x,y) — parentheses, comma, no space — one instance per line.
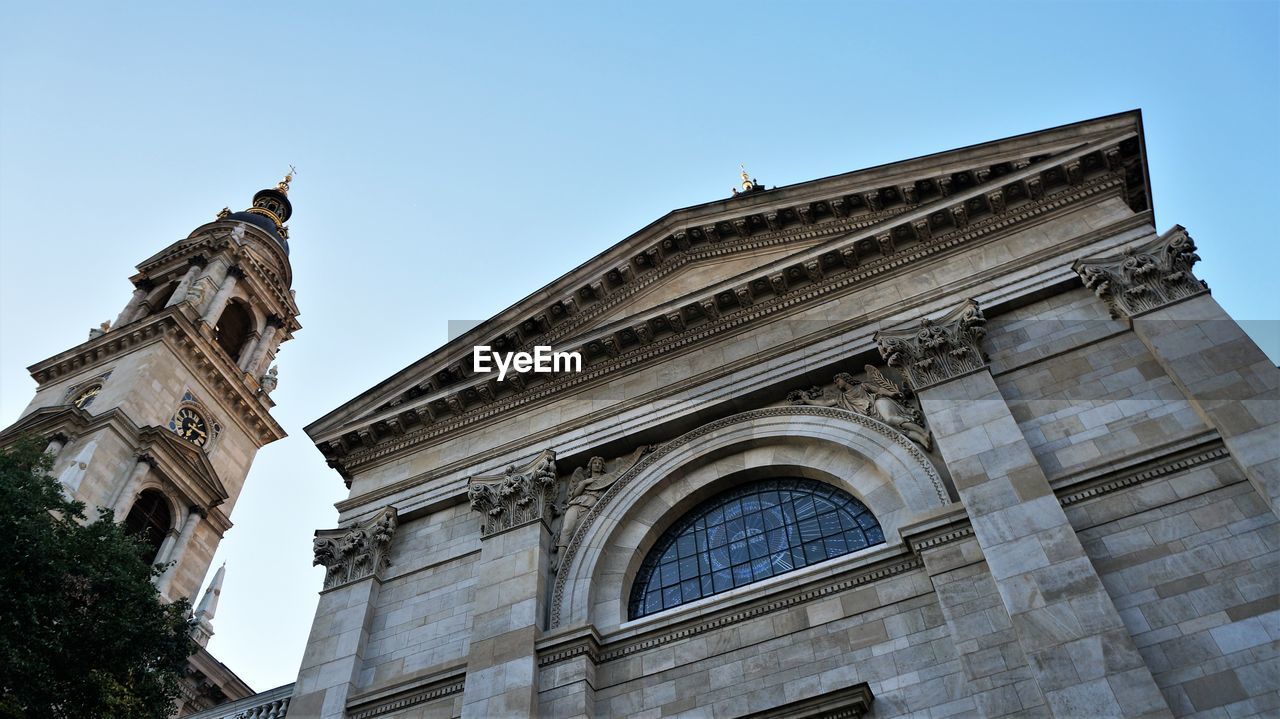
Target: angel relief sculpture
(878,398)
(586,485)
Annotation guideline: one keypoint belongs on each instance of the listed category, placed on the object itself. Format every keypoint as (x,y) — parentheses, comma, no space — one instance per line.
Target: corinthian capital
(515,497)
(1145,277)
(938,349)
(353,553)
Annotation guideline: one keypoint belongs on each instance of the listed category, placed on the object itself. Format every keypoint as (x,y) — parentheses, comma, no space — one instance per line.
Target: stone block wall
(1191,563)
(1084,390)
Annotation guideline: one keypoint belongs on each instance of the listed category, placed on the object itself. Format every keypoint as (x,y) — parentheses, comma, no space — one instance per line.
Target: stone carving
(585,487)
(515,497)
(100,330)
(878,398)
(940,349)
(1145,277)
(353,553)
(270,380)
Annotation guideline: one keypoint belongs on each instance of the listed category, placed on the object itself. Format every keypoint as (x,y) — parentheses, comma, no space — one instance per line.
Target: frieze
(727,320)
(516,497)
(854,578)
(1146,277)
(939,350)
(360,551)
(616,486)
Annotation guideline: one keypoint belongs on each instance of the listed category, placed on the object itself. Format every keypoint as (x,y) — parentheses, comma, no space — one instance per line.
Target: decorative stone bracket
(940,349)
(357,552)
(1145,277)
(515,497)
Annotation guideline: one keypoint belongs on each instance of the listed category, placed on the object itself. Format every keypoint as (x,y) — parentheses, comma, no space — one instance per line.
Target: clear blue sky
(454,158)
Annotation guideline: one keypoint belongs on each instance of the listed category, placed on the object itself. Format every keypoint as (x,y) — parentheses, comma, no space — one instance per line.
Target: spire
(209,604)
(202,620)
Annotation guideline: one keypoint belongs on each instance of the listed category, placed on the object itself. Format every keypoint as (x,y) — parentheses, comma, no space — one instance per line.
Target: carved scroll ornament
(353,553)
(1145,277)
(515,497)
(940,349)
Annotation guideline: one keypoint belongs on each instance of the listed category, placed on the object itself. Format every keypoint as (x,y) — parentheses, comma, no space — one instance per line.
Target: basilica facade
(961,435)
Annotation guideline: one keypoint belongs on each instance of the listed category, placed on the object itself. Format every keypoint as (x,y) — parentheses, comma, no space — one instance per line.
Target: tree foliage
(83,632)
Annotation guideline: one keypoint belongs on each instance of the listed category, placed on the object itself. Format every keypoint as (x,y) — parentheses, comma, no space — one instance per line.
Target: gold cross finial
(283,185)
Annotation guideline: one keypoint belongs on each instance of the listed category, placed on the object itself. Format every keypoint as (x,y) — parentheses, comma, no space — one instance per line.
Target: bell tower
(157,416)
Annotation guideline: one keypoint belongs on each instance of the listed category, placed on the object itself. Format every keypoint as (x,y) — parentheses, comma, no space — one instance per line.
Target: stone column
(180,292)
(1221,371)
(1079,652)
(224,291)
(254,364)
(194,515)
(122,501)
(354,559)
(247,352)
(510,591)
(131,309)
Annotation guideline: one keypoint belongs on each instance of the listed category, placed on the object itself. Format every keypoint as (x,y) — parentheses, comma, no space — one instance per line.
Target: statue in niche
(880,399)
(586,485)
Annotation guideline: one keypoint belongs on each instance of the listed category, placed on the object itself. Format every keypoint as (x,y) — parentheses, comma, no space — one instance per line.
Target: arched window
(150,520)
(749,533)
(232,328)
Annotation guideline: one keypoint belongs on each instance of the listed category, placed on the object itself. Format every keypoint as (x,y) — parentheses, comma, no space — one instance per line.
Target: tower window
(232,329)
(150,520)
(749,533)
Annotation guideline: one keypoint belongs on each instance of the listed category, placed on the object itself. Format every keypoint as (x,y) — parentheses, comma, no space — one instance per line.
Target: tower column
(194,515)
(254,364)
(224,291)
(131,309)
(1076,646)
(123,498)
(180,293)
(56,442)
(250,348)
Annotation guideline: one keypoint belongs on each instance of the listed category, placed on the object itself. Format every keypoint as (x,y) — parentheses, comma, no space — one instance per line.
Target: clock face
(85,398)
(191,426)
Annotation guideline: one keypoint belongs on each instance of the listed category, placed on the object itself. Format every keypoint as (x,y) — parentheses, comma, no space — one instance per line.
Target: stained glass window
(749,533)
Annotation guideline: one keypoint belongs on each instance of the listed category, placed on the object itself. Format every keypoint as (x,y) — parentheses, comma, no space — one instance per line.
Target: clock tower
(157,416)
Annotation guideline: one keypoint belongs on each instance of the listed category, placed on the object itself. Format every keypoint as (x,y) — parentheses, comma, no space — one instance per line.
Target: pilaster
(1079,651)
(502,666)
(354,558)
(1221,371)
(999,676)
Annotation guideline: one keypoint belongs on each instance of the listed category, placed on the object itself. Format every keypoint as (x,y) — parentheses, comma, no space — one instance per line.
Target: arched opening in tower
(232,329)
(150,520)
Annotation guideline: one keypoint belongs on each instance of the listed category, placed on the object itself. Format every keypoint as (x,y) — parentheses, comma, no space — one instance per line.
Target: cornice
(216,237)
(204,358)
(758,360)
(436,414)
(660,635)
(376,703)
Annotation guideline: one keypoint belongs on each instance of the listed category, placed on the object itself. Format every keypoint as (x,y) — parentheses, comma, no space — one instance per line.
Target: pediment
(698,268)
(697,272)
